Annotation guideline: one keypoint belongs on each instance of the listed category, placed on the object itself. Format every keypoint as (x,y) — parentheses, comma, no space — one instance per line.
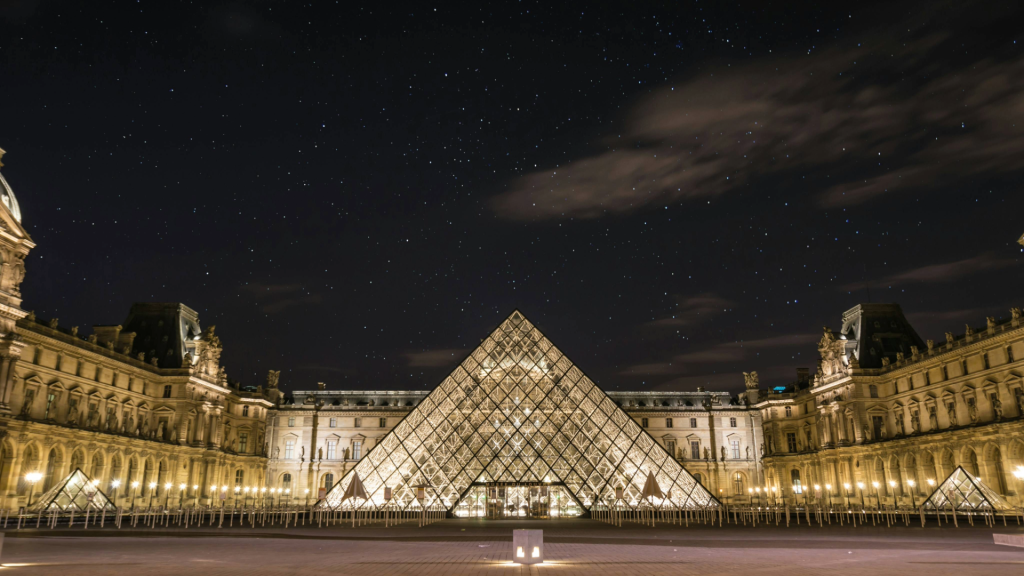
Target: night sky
(674,193)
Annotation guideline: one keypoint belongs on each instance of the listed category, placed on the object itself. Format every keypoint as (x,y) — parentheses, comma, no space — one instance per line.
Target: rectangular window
(735,449)
(789,411)
(291,421)
(383,422)
(167,391)
(333,423)
(695,449)
(643,422)
(357,449)
(732,422)
(359,424)
(243,442)
(49,403)
(245,410)
(289,449)
(693,422)
(332,449)
(791,441)
(668,422)
(671,446)
(878,424)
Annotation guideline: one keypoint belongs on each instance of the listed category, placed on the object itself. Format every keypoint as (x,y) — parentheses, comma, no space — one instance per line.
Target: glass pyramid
(962,491)
(518,412)
(75,493)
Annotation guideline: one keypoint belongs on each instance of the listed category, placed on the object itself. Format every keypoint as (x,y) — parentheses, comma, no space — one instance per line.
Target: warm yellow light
(519,552)
(892,483)
(34,477)
(931,482)
(182,486)
(135,484)
(238,489)
(860,485)
(195,487)
(911,483)
(536,552)
(828,487)
(875,484)
(750,490)
(847,486)
(152,485)
(223,488)
(817,488)
(167,486)
(115,484)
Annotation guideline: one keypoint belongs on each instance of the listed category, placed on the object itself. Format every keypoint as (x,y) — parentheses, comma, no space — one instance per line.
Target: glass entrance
(499,500)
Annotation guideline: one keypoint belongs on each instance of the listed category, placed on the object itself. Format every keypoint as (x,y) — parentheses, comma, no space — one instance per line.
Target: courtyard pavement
(464,547)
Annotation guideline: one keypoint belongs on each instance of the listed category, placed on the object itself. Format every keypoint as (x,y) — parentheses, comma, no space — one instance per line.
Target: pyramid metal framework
(518,411)
(963,492)
(75,492)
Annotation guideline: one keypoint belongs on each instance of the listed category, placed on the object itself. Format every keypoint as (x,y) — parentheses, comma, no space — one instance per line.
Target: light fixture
(115,484)
(931,482)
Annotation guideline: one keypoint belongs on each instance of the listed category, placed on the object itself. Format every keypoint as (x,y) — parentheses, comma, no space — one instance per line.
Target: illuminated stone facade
(887,407)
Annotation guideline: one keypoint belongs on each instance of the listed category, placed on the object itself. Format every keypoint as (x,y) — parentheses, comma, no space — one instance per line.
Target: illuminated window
(333,423)
(239,477)
(735,449)
(794,475)
(357,449)
(332,449)
(291,421)
(289,449)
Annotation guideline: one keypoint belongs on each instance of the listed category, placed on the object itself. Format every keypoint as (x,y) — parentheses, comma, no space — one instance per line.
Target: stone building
(146,401)
(887,407)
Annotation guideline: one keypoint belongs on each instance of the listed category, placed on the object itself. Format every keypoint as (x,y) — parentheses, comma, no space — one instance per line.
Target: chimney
(803,375)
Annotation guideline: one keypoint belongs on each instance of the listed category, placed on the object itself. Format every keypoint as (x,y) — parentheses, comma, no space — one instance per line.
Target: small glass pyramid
(963,492)
(75,493)
(518,412)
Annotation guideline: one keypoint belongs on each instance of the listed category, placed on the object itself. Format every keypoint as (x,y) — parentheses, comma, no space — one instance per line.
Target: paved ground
(484,547)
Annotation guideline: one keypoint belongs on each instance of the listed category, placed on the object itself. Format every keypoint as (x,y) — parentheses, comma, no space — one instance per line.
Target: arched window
(286,481)
(738,484)
(794,475)
(239,477)
(51,470)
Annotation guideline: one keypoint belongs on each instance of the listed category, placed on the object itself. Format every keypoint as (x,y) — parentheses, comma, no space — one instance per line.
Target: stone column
(10,352)
(215,428)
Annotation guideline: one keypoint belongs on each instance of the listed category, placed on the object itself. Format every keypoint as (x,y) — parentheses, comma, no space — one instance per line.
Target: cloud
(730,352)
(875,115)
(693,309)
(274,298)
(435,358)
(939,273)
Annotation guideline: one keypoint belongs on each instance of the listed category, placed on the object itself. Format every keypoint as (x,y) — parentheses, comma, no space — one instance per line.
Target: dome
(7,197)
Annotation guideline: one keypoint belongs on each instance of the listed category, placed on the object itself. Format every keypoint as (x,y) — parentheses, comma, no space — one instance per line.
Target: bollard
(528,546)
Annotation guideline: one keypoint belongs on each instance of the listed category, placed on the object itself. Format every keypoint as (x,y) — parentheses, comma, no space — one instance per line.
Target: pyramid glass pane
(516,430)
(76,492)
(962,491)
